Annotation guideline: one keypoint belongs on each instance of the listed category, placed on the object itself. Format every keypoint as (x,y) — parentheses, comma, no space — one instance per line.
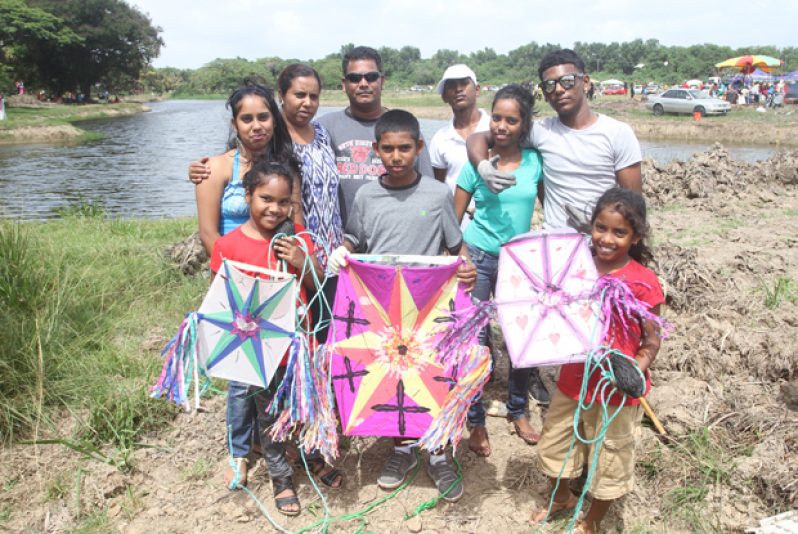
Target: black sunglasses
(567,82)
(355,77)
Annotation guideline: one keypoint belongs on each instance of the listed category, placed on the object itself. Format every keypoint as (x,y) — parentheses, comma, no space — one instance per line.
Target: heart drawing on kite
(558,298)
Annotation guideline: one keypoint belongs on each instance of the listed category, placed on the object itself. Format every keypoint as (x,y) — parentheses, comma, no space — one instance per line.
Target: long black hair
(280,148)
(632,207)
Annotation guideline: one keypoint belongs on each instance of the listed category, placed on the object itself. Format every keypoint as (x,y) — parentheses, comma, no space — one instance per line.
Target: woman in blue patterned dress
(299,88)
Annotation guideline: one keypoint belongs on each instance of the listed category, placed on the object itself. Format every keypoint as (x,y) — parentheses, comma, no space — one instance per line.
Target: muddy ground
(726,244)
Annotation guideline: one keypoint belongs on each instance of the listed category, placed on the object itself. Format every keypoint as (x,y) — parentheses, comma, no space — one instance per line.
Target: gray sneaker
(396,469)
(445,478)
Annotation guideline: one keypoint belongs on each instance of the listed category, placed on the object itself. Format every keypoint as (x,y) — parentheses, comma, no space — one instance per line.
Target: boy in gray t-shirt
(404,212)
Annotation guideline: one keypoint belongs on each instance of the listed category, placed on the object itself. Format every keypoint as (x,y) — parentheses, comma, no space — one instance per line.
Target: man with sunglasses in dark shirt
(584,153)
(352,129)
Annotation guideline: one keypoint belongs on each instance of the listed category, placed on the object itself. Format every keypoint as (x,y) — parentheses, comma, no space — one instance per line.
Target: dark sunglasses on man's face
(567,82)
(355,77)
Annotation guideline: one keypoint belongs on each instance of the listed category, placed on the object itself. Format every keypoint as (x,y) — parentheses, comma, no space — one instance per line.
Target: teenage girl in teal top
(497,219)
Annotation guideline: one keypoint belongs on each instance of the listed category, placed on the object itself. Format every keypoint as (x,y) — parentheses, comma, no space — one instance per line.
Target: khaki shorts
(614,476)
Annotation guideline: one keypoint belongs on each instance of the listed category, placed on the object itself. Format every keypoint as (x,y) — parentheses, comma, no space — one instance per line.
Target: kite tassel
(303,399)
(619,305)
(180,365)
(455,341)
(447,427)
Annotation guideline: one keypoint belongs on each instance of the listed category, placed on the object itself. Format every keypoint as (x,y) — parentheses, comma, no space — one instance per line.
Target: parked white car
(687,101)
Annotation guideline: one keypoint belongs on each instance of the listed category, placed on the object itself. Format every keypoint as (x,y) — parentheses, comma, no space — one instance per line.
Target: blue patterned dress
(320,190)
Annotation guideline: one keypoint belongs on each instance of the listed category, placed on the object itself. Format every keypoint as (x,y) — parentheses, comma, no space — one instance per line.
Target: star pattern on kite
(245,324)
(395,357)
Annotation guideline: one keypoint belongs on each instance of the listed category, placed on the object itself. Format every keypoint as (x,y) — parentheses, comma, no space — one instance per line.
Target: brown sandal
(529,436)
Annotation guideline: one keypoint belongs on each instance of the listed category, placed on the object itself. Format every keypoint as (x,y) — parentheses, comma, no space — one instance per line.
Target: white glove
(496,180)
(336,260)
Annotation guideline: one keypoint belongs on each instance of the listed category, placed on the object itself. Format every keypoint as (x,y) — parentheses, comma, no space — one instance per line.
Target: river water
(139,168)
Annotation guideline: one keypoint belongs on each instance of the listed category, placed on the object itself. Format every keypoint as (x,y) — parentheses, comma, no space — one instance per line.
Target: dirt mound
(23,101)
(40,134)
(685,282)
(189,256)
(712,178)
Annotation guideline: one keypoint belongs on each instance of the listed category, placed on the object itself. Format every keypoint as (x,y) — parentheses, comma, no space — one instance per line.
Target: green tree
(444,58)
(329,70)
(117,42)
(24,27)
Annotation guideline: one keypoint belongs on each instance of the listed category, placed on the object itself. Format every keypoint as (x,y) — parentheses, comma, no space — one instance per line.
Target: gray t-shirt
(417,219)
(357,163)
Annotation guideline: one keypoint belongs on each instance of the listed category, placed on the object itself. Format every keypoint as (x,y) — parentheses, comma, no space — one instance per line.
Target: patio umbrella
(747,64)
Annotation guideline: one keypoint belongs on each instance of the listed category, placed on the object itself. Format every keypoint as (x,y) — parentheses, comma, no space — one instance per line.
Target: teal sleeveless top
(234,211)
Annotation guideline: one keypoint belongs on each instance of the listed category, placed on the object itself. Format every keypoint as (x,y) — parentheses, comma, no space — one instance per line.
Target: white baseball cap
(456,72)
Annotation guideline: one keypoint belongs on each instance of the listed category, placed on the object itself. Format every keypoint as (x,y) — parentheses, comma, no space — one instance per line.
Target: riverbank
(50,123)
(742,126)
(94,300)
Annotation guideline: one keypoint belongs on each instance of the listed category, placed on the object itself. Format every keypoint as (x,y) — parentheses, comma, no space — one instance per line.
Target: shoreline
(54,123)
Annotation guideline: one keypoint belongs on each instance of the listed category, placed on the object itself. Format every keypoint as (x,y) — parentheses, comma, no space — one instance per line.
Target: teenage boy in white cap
(458,88)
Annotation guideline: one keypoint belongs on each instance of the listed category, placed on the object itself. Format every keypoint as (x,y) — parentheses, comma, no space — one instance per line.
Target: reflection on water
(139,168)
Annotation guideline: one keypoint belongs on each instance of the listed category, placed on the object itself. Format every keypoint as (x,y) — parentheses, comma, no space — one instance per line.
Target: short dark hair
(526,104)
(295,70)
(361,52)
(565,56)
(261,169)
(397,120)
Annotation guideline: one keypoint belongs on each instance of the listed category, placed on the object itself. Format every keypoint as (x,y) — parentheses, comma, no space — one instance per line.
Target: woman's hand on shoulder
(199,170)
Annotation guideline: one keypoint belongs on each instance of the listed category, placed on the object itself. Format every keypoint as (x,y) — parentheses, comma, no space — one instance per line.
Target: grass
(5,514)
(784,288)
(132,503)
(57,488)
(96,523)
(199,470)
(694,466)
(77,296)
(198,96)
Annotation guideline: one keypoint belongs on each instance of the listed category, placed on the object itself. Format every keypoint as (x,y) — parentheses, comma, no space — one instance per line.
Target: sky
(198,31)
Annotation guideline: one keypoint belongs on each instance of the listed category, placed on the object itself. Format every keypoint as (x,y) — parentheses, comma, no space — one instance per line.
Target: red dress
(646,287)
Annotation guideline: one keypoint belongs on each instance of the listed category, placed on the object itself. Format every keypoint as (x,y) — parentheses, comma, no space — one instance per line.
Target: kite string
(236,484)
(360,515)
(597,360)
